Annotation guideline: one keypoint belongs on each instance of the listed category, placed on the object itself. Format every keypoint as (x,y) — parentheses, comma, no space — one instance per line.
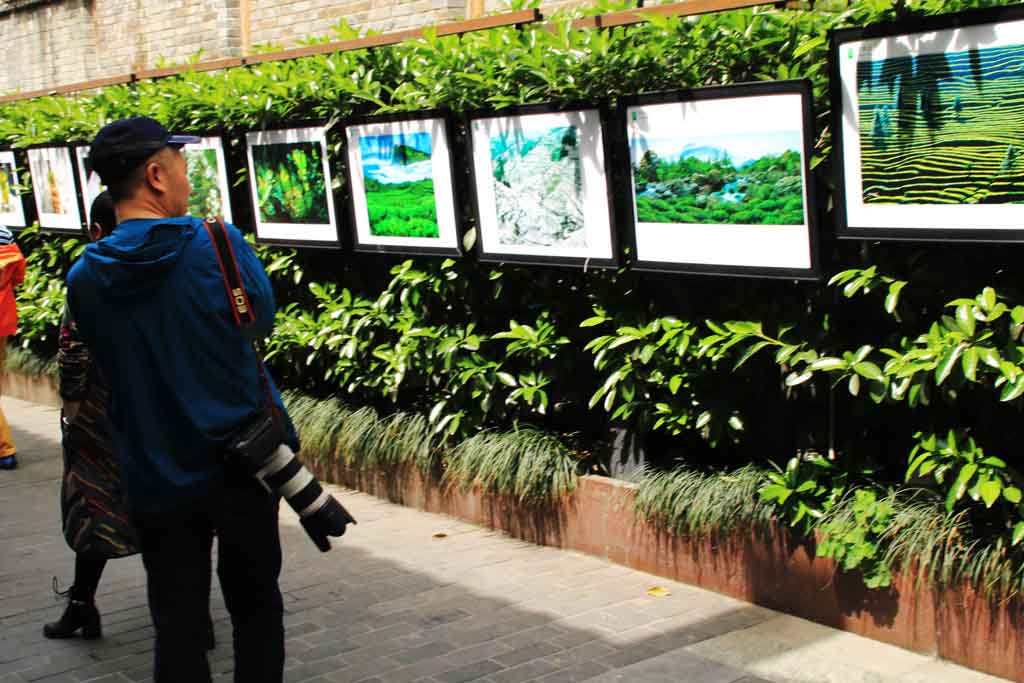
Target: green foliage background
(878,413)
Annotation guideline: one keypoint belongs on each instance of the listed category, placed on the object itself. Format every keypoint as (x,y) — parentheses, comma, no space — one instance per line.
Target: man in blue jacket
(151,306)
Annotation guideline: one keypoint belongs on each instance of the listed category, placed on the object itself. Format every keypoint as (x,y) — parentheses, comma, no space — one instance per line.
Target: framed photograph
(12,201)
(290,181)
(928,134)
(55,188)
(208,175)
(715,190)
(541,187)
(90,182)
(402,196)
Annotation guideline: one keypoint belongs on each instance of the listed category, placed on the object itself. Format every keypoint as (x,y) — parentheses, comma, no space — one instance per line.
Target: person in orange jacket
(12,272)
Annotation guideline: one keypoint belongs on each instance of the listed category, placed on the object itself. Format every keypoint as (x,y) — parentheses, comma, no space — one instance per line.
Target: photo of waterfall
(542,187)
(399,172)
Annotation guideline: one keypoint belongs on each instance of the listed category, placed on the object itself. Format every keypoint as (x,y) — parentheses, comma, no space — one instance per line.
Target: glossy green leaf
(990,491)
(869,370)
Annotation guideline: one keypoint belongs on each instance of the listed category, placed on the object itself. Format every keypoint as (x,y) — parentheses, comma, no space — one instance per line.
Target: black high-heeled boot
(77,615)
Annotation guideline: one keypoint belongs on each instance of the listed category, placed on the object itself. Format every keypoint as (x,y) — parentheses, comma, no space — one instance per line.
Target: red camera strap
(238,298)
(233,286)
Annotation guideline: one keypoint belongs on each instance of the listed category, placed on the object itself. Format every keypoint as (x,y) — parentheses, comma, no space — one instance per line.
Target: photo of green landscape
(290,182)
(203,175)
(727,179)
(398,179)
(944,128)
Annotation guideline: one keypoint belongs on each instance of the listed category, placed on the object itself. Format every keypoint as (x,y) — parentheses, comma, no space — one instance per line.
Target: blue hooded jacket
(151,306)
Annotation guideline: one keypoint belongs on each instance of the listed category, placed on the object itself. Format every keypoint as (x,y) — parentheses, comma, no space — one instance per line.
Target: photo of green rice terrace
(398,177)
(944,128)
(538,187)
(290,183)
(205,200)
(733,179)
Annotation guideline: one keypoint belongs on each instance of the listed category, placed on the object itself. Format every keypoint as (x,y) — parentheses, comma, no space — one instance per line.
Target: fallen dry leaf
(440,534)
(659,592)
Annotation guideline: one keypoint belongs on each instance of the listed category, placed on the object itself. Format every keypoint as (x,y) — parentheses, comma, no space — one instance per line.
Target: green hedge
(835,402)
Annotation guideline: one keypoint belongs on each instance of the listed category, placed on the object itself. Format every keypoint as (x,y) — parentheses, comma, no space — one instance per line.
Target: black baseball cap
(122,145)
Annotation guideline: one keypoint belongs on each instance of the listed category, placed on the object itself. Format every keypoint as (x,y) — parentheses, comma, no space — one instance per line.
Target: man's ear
(156,174)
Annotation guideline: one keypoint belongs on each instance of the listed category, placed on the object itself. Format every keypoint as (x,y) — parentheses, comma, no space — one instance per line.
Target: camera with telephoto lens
(261,450)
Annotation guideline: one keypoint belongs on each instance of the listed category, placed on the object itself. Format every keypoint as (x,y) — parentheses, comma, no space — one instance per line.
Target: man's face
(178,188)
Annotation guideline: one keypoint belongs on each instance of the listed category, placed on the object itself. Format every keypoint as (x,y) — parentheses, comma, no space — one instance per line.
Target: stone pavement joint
(392,603)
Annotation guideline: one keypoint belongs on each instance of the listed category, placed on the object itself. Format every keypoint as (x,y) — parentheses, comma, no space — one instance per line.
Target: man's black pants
(176,553)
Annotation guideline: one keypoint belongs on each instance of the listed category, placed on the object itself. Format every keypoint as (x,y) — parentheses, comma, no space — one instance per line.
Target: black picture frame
(334,210)
(27,201)
(403,246)
(941,222)
(807,235)
(85,199)
(78,227)
(603,119)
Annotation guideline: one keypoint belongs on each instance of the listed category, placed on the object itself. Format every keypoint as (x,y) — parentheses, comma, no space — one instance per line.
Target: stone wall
(65,41)
(56,42)
(282,22)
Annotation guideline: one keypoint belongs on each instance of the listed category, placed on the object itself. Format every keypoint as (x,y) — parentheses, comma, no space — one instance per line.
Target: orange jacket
(12,272)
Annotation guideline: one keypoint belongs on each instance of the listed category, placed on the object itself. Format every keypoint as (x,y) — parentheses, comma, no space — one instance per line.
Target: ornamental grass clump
(692,502)
(318,424)
(27,362)
(526,464)
(360,439)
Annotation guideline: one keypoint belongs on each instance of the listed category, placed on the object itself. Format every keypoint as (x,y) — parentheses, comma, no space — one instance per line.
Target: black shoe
(211,639)
(8,463)
(78,615)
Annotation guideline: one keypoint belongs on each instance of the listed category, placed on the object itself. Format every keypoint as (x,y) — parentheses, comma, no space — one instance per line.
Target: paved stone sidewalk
(411,596)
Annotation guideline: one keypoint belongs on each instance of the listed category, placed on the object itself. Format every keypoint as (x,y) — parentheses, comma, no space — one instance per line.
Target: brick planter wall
(29,388)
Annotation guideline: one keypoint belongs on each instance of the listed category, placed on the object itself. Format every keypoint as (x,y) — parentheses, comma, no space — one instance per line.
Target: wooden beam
(120,79)
(213,65)
(526,16)
(676,9)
